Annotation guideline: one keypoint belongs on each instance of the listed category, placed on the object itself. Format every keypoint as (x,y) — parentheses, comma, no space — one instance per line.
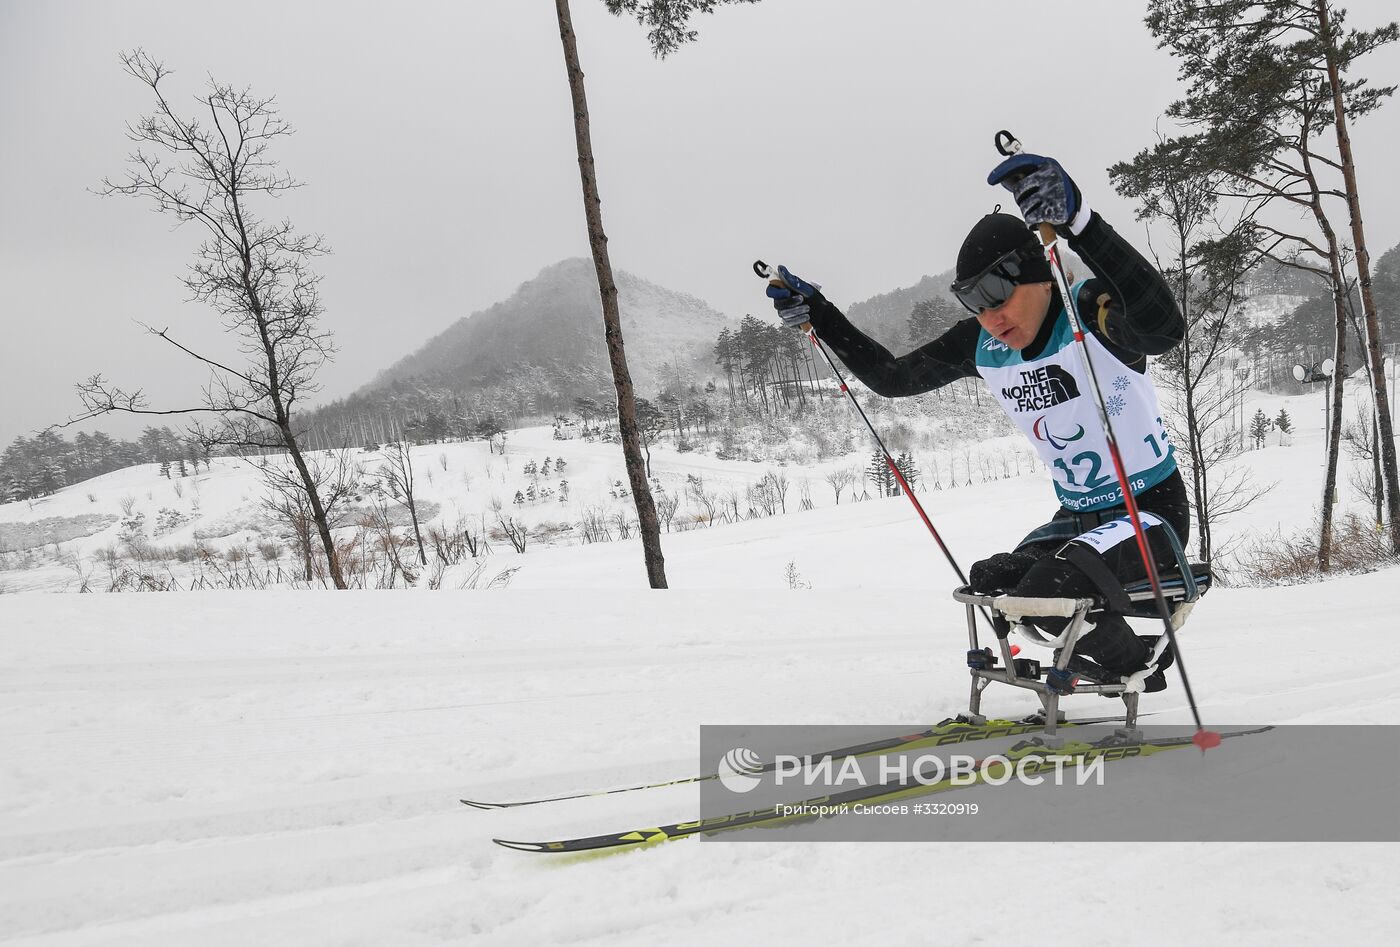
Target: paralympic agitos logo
(1057,441)
(1041,388)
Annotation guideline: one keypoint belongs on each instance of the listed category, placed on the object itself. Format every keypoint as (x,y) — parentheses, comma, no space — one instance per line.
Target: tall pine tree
(1267,87)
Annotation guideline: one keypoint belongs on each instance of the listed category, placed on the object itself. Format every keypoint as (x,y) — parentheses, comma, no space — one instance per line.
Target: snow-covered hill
(555,320)
(70,538)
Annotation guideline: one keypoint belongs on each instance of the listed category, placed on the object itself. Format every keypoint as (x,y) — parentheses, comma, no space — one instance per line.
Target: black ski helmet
(996,235)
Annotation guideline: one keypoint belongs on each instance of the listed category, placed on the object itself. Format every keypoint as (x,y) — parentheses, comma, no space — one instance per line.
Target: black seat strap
(1086,560)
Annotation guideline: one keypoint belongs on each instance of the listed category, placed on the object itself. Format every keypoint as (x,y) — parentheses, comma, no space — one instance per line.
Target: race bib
(1105,537)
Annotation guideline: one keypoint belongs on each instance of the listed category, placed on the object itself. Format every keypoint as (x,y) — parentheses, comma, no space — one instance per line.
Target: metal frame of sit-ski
(1007,612)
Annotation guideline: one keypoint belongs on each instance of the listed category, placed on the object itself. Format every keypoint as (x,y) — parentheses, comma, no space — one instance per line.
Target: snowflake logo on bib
(1121,383)
(1115,405)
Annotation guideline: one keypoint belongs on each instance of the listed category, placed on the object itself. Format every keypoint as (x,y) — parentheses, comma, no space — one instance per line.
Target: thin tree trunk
(1377,483)
(1363,271)
(1196,449)
(282,415)
(1376,471)
(1329,488)
(1334,263)
(1189,382)
(417,533)
(406,463)
(648,525)
(318,512)
(303,531)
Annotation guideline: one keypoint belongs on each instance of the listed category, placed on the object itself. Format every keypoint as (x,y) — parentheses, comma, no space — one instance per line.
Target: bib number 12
(1093,479)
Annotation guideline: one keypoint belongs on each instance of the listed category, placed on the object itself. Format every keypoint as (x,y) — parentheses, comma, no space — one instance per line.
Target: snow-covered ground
(283,767)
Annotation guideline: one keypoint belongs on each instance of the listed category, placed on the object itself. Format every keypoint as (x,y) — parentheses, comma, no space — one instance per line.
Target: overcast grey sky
(849,139)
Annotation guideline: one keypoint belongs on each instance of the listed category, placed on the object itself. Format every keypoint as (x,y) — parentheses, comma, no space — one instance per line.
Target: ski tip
(521,846)
(1206,739)
(481,805)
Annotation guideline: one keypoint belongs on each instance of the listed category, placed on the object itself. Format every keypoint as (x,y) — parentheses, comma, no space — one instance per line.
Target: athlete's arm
(1128,302)
(947,358)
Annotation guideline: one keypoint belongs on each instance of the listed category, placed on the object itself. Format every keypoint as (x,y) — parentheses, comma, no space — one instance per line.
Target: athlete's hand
(1043,190)
(791,299)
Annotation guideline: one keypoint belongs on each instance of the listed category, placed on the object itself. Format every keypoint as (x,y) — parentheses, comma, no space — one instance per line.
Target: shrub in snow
(168,520)
(1276,559)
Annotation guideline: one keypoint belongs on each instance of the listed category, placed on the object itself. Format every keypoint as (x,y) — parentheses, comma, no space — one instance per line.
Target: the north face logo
(1041,388)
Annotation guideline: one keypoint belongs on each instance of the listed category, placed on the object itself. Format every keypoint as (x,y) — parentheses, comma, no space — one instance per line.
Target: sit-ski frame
(1008,611)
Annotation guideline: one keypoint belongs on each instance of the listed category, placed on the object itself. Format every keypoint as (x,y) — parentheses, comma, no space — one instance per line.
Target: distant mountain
(885,318)
(529,357)
(553,323)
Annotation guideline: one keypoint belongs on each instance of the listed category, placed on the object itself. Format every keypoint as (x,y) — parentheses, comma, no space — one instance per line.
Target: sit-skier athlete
(1020,342)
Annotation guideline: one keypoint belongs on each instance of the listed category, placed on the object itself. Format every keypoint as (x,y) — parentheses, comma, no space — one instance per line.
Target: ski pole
(770,273)
(1008,145)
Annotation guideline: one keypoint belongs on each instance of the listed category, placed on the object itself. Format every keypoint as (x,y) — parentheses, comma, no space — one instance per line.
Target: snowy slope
(455,482)
(225,768)
(553,320)
(462,481)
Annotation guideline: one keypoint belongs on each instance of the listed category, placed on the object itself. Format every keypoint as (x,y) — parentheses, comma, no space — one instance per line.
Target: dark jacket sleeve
(947,358)
(1128,302)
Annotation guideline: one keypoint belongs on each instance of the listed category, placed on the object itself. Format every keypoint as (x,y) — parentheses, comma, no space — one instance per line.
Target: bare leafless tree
(455,542)
(704,499)
(778,484)
(594,524)
(730,502)
(760,498)
(397,475)
(253,272)
(378,523)
(1359,438)
(1205,262)
(334,477)
(666,504)
(623,524)
(840,480)
(512,529)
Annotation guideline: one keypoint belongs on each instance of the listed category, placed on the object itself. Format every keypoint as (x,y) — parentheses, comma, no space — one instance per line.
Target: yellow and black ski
(1109,748)
(950,732)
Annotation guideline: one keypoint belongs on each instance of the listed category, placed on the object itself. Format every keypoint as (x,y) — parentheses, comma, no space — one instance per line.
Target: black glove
(1000,573)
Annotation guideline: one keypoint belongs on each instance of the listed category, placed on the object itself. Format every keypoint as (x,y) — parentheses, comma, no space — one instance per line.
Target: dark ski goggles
(991,287)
